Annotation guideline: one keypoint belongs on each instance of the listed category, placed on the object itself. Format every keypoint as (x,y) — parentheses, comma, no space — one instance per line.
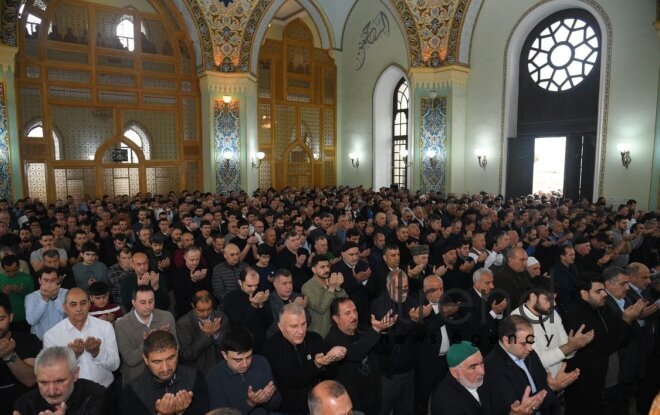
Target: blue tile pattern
(433,136)
(227,138)
(5,160)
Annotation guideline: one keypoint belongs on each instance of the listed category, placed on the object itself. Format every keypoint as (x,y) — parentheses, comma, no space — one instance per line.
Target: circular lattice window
(563,54)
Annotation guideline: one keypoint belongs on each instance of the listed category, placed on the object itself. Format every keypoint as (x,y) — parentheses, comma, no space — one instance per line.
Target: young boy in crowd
(99,294)
(265,269)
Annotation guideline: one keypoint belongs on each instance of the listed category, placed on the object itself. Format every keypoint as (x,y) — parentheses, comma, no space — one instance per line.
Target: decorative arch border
(415,58)
(512,51)
(257,25)
(196,23)
(144,134)
(460,47)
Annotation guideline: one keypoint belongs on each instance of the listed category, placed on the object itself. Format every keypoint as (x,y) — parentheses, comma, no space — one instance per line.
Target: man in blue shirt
(243,381)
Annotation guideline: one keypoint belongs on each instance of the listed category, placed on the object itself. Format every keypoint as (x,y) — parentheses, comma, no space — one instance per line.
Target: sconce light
(404,156)
(226,99)
(260,156)
(481,158)
(430,154)
(355,160)
(227,155)
(624,149)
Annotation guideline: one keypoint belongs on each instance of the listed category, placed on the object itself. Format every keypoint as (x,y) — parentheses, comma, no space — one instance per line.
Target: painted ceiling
(226,29)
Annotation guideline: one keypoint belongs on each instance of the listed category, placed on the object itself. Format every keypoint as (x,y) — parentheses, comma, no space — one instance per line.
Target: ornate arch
(512,51)
(258,23)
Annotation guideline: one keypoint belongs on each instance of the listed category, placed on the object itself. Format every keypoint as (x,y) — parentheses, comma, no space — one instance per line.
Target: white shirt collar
(151,318)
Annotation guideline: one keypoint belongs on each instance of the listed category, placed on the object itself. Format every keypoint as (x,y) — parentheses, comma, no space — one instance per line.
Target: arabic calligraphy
(371,32)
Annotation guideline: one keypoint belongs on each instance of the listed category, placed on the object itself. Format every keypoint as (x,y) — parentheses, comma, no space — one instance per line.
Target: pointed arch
(107,144)
(258,24)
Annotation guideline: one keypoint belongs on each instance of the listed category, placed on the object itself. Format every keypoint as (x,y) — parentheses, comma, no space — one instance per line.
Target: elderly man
(482,311)
(552,343)
(91,339)
(299,359)
(513,278)
(242,380)
(60,388)
(142,276)
(460,391)
(165,387)
(133,327)
(283,294)
(513,366)
(225,275)
(330,398)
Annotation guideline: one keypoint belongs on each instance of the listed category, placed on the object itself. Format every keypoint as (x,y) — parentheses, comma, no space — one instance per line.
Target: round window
(563,54)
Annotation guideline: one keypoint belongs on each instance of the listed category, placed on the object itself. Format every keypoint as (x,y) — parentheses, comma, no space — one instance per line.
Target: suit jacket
(505,382)
(476,324)
(361,294)
(610,331)
(629,352)
(451,398)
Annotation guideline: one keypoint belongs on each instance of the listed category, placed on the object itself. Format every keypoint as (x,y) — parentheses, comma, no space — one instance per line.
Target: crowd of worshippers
(328,301)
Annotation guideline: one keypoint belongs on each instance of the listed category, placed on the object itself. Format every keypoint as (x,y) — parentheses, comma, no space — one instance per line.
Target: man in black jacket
(299,359)
(60,388)
(398,349)
(514,278)
(460,391)
(250,309)
(359,371)
(357,282)
(165,387)
(610,331)
(513,366)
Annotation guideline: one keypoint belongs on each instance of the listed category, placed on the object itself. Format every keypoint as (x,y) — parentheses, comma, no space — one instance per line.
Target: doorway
(565,162)
(549,155)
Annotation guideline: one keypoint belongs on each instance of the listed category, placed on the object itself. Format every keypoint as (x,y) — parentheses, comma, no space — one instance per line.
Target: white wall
(632,103)
(356,89)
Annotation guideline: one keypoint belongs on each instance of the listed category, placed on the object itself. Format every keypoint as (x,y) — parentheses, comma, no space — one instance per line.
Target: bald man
(330,398)
(141,275)
(91,339)
(225,275)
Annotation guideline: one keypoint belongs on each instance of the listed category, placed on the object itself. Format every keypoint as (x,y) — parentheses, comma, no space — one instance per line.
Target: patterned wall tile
(227,139)
(433,136)
(5,159)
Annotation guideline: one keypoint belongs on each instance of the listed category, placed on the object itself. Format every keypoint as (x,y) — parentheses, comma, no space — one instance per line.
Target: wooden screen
(92,79)
(297,111)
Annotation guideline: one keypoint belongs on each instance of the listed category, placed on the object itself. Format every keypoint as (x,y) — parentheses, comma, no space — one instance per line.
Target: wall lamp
(481,158)
(260,156)
(355,160)
(404,156)
(431,154)
(227,156)
(226,99)
(624,149)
